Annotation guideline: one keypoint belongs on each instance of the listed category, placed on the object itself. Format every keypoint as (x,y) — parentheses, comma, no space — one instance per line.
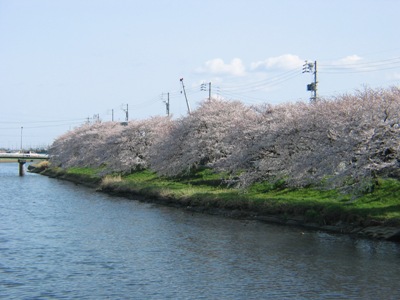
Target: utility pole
(126,113)
(112,114)
(310,67)
(203,87)
(187,102)
(167,104)
(96,118)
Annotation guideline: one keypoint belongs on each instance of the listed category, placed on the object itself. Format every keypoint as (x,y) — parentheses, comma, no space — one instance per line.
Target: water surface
(63,241)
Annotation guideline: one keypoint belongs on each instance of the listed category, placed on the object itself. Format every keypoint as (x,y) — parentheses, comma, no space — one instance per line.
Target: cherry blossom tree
(198,140)
(342,141)
(112,145)
(80,147)
(129,150)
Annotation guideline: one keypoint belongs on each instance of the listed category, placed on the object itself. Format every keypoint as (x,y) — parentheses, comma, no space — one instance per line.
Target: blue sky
(64,61)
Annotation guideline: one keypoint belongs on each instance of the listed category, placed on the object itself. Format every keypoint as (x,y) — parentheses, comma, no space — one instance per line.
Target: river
(59,240)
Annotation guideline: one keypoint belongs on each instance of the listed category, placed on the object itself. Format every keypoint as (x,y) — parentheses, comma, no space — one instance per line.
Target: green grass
(384,202)
(85,171)
(205,188)
(382,205)
(322,206)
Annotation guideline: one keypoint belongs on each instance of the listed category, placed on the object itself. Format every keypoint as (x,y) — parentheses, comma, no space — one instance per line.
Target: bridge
(22,158)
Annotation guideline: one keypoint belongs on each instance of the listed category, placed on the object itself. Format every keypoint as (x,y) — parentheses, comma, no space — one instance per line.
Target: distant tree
(80,147)
(117,147)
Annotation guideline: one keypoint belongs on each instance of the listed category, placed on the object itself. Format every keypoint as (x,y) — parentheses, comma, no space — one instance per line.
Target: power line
(42,126)
(241,96)
(366,70)
(34,122)
(362,67)
(377,62)
(265,82)
(244,90)
(146,103)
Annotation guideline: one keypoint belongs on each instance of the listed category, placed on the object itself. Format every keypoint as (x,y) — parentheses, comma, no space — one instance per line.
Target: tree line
(345,141)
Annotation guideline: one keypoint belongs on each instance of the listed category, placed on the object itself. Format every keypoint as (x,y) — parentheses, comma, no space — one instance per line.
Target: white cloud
(286,62)
(218,66)
(348,60)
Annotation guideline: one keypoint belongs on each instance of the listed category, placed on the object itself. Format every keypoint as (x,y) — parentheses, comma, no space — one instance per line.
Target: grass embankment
(85,176)
(205,191)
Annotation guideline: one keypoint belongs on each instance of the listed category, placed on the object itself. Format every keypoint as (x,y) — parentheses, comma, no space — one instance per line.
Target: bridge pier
(22,158)
(21,163)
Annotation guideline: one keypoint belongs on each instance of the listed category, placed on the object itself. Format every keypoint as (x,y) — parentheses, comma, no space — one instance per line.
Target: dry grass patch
(110,180)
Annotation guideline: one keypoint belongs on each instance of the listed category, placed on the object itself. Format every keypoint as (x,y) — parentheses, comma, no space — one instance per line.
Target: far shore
(241,206)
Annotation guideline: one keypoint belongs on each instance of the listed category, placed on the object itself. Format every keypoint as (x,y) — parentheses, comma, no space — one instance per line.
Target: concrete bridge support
(21,163)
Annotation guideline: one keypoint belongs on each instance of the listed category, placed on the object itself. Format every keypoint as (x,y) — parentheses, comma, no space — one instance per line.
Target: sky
(67,62)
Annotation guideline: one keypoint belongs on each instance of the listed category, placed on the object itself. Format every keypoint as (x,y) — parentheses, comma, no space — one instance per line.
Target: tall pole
(315,81)
(167,104)
(187,102)
(308,68)
(21,137)
(203,87)
(112,115)
(126,112)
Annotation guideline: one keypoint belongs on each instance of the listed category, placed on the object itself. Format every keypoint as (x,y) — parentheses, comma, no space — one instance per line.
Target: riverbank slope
(372,215)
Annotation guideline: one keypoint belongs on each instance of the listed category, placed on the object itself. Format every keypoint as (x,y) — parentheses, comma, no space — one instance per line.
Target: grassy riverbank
(205,191)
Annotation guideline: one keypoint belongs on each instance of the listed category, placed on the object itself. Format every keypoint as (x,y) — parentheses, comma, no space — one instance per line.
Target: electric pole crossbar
(203,87)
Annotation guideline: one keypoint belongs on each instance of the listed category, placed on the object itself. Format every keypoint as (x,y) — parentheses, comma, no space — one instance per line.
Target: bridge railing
(24,155)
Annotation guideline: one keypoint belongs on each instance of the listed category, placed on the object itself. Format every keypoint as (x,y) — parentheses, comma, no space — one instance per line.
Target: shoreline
(374,230)
(378,232)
